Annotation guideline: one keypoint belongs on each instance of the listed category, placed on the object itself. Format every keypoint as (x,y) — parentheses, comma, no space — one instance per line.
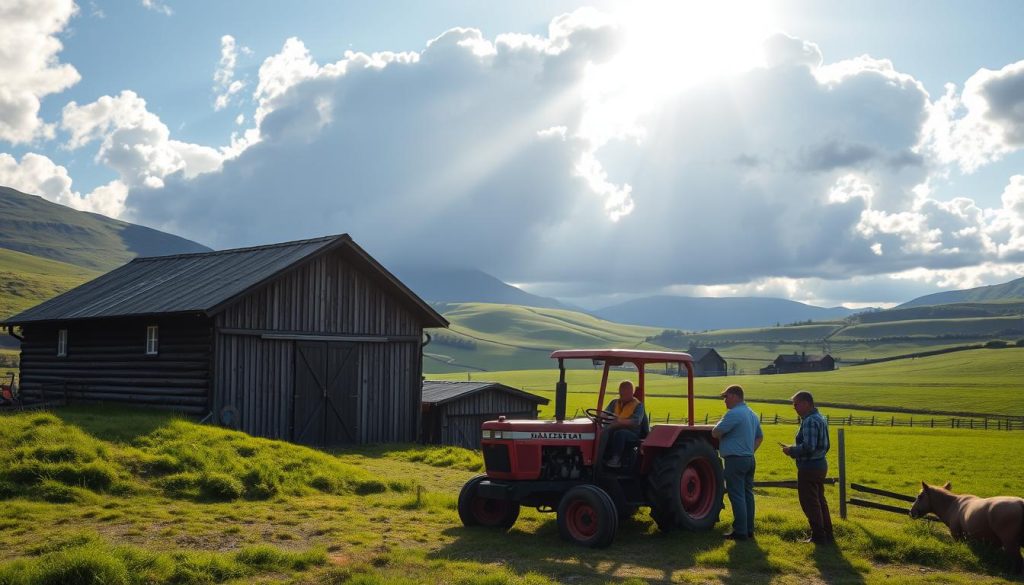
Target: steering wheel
(601,417)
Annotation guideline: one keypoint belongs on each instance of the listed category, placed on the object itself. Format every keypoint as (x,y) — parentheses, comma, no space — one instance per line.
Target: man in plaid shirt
(812,468)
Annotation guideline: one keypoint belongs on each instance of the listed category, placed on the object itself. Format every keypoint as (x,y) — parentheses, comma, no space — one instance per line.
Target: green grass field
(982,381)
(120,496)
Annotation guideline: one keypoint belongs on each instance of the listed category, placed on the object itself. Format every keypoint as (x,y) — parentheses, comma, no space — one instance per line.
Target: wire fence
(1001,423)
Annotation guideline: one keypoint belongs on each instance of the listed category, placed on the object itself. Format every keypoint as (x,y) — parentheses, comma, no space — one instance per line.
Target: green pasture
(981,381)
(126,496)
(1010,327)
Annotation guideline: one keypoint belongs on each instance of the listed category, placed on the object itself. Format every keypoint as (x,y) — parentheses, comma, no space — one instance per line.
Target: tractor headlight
(498,435)
(487,434)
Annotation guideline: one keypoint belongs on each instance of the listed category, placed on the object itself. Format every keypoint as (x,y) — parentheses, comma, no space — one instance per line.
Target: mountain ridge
(707,313)
(32,225)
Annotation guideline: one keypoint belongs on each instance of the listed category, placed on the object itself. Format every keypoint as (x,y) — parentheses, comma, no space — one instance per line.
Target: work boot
(734,536)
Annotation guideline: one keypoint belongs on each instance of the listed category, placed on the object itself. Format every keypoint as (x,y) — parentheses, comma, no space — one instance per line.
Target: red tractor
(558,465)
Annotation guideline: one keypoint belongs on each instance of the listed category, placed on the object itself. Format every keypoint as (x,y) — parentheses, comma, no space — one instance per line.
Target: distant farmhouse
(454,411)
(311,341)
(707,362)
(794,363)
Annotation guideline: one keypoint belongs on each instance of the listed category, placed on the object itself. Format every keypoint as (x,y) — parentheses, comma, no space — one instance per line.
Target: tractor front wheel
(687,487)
(477,511)
(587,516)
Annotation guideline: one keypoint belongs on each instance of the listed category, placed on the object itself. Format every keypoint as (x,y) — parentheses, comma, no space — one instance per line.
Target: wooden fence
(841,482)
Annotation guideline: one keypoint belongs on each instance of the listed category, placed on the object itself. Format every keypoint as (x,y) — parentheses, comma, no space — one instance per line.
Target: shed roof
(205,282)
(442,391)
(699,353)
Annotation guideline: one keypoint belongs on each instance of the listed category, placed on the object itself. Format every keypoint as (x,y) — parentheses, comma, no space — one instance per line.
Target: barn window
(62,343)
(152,339)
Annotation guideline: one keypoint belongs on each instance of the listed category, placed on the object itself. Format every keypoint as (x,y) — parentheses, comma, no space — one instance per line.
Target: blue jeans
(618,441)
(739,484)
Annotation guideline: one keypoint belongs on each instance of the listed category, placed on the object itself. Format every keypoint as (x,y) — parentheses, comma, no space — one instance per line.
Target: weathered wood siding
(106,361)
(459,420)
(710,365)
(327,296)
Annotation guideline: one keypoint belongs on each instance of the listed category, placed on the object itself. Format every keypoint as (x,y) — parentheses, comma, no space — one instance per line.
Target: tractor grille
(496,458)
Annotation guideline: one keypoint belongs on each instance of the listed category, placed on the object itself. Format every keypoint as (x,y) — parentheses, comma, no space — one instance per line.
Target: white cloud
(475,152)
(29,65)
(225,84)
(158,6)
(36,174)
(982,124)
(134,142)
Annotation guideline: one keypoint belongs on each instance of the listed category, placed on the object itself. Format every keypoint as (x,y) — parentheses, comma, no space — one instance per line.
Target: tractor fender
(665,436)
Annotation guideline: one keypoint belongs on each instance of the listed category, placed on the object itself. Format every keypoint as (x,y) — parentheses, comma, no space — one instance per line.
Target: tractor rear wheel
(687,487)
(587,516)
(477,511)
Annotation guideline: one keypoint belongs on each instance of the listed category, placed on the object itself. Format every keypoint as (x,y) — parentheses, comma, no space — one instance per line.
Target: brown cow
(998,520)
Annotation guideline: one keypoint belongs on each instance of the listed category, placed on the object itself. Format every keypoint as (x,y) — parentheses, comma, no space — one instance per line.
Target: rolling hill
(706,313)
(27,280)
(35,226)
(997,292)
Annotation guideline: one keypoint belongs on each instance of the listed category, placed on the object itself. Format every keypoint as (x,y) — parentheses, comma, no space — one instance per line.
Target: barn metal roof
(205,282)
(442,391)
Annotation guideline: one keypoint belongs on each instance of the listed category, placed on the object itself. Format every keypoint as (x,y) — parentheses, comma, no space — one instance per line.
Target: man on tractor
(629,415)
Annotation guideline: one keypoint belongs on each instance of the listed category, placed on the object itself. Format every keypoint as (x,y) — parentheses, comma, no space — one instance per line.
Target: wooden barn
(795,363)
(310,341)
(454,411)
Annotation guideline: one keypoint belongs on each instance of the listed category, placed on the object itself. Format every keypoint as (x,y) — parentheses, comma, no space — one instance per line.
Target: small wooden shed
(707,362)
(454,411)
(311,341)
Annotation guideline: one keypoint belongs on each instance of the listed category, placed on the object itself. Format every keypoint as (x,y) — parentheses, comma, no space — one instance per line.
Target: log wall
(106,361)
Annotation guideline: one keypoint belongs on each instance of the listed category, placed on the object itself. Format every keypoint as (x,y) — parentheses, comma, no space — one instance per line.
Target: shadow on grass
(834,567)
(119,424)
(748,565)
(636,548)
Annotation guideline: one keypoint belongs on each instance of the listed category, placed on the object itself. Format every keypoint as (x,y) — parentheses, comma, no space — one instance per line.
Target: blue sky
(809,150)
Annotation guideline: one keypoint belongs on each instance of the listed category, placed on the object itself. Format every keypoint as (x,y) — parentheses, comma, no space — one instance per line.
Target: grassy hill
(982,381)
(33,225)
(509,337)
(27,280)
(1007,290)
(494,336)
(94,495)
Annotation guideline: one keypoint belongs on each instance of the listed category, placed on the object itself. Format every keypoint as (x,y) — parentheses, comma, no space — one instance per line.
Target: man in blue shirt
(739,435)
(809,452)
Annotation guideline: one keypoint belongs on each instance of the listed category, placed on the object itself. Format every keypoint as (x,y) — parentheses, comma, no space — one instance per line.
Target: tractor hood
(526,429)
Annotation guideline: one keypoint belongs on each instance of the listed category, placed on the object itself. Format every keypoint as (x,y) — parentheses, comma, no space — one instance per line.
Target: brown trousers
(810,485)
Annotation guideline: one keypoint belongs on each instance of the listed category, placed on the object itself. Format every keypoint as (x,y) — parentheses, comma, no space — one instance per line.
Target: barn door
(326,400)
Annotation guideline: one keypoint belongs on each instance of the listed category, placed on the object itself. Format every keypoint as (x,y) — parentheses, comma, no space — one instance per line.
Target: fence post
(911,422)
(776,418)
(872,420)
(892,421)
(842,474)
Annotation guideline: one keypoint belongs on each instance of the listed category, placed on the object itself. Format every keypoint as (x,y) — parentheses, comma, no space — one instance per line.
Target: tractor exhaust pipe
(561,389)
